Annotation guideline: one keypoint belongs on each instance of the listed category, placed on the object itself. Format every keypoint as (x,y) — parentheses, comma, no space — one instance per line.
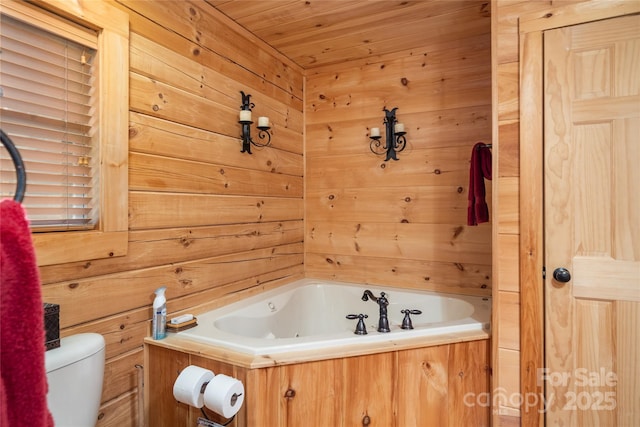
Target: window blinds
(49,111)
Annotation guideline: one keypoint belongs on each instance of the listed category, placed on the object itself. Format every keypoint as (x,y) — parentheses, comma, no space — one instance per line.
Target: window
(64,103)
(49,110)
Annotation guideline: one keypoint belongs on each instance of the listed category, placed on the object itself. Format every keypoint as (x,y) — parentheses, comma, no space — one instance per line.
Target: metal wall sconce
(395,136)
(245,121)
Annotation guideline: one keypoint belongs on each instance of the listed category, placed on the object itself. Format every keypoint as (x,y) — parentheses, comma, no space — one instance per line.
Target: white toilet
(74,373)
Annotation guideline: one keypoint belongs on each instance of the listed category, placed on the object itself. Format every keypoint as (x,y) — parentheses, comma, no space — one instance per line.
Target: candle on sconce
(245,115)
(263,122)
(375,132)
(399,127)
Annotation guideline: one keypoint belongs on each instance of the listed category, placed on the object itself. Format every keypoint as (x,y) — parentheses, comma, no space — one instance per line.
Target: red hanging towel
(478,211)
(23,386)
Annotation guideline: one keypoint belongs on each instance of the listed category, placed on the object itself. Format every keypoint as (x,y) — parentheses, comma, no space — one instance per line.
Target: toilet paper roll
(188,386)
(224,395)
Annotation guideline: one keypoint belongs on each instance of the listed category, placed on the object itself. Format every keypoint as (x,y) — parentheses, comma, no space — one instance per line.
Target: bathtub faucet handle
(361,329)
(406,322)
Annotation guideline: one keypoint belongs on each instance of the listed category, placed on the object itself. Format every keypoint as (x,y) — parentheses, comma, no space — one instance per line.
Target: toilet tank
(74,375)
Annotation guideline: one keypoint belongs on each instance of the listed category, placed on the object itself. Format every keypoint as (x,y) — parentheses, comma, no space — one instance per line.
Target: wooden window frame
(111,237)
(531,29)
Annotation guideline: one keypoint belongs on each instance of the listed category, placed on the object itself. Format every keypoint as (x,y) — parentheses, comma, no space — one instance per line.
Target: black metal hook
(18,164)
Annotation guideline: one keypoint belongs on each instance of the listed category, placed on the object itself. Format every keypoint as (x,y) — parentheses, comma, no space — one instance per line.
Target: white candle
(399,127)
(245,115)
(375,132)
(263,122)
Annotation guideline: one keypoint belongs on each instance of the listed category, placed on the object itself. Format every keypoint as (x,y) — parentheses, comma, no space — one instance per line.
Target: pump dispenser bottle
(159,314)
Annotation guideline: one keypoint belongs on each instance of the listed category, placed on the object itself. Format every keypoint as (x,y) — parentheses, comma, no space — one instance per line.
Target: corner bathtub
(310,315)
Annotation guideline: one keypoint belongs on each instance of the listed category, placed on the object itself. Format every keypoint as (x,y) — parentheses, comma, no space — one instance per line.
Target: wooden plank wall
(399,223)
(204,220)
(506,316)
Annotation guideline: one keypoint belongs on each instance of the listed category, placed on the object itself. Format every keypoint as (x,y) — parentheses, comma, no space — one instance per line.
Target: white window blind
(48,109)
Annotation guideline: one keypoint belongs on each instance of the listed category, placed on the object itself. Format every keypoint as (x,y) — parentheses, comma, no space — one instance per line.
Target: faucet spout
(383,302)
(369,295)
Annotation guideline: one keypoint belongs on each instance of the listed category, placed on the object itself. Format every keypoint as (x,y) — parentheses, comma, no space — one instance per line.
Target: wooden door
(592,223)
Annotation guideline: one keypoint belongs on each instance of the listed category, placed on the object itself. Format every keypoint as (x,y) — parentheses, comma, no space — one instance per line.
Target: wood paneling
(433,167)
(368,394)
(507,276)
(423,373)
(407,204)
(509,362)
(508,217)
(520,220)
(324,33)
(511,161)
(508,91)
(154,136)
(398,223)
(213,224)
(436,276)
(465,245)
(468,372)
(209,30)
(508,319)
(444,385)
(206,221)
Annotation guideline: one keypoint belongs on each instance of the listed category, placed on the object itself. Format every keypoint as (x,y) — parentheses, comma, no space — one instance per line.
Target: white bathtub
(310,314)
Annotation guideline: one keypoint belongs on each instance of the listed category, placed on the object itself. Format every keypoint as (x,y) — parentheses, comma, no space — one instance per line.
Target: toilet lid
(73,349)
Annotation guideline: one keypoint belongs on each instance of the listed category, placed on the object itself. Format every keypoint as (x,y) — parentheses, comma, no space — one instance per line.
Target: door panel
(592,223)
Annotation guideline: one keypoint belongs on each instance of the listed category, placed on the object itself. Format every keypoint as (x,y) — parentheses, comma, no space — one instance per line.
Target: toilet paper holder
(198,387)
(234,397)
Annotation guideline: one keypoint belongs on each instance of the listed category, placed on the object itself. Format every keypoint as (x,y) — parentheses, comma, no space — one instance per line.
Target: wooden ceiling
(316,33)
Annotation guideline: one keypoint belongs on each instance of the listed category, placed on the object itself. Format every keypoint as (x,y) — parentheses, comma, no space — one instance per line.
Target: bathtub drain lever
(361,329)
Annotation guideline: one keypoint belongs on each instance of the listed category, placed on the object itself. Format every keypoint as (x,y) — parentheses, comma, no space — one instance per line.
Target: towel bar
(19,165)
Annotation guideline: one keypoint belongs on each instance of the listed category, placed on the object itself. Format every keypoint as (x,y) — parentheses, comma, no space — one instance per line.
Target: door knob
(562,275)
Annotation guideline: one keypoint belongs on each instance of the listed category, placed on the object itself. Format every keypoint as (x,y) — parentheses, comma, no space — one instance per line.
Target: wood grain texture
(399,388)
(516,171)
(586,131)
(446,243)
(531,226)
(188,146)
(215,237)
(546,16)
(367,392)
(424,386)
(398,223)
(507,277)
(408,204)
(316,34)
(468,372)
(151,135)
(413,274)
(109,237)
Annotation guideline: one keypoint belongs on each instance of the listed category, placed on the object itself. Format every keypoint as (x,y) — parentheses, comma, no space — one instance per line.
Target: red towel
(480,169)
(23,389)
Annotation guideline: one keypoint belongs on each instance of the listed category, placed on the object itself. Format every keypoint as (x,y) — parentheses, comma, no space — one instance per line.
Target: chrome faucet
(383,302)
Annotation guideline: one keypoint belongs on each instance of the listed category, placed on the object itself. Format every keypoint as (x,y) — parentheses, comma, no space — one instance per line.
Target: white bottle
(159,314)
